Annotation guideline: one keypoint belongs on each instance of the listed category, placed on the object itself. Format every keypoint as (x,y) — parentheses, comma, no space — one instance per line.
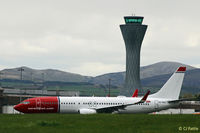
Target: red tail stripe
(181,69)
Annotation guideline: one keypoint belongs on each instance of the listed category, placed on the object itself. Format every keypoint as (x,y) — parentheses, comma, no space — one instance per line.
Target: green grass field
(99,123)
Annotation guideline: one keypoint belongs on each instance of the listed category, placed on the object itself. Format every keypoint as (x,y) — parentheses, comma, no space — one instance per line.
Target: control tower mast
(133,33)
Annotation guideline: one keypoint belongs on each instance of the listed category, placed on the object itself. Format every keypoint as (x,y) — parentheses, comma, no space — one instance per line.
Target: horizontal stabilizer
(185,99)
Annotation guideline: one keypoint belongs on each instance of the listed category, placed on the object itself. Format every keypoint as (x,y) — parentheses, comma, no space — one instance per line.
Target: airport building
(133,32)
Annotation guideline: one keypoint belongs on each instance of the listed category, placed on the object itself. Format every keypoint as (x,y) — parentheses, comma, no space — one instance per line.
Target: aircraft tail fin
(172,88)
(135,94)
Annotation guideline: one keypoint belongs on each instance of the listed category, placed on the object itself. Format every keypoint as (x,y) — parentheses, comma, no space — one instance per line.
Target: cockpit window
(25,102)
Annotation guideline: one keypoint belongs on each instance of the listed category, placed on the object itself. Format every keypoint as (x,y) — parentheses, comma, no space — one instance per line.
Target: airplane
(165,98)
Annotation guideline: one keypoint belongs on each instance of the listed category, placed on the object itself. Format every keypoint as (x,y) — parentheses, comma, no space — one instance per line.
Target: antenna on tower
(133,14)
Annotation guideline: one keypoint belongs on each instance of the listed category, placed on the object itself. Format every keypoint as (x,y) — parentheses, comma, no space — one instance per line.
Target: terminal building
(133,32)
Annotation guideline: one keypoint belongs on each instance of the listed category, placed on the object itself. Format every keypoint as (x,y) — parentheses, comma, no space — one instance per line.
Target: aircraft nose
(18,107)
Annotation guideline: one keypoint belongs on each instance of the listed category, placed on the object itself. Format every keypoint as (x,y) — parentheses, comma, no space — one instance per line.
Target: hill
(154,75)
(161,68)
(191,82)
(153,70)
(47,75)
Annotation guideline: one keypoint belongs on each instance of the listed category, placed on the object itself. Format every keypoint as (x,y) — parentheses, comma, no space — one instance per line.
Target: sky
(84,36)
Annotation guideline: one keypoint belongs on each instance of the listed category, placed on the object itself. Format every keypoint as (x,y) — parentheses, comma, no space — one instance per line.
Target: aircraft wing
(110,109)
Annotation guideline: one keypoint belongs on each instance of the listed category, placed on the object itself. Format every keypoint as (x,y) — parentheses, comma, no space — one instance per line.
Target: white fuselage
(74,104)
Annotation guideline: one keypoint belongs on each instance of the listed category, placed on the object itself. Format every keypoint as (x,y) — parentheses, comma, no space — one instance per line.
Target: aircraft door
(156,104)
(38,103)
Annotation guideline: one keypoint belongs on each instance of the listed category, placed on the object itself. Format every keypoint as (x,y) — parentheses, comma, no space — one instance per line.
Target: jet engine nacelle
(87,111)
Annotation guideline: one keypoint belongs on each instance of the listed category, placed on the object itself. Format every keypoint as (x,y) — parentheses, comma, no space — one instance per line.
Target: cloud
(75,36)
(193,40)
(17,48)
(97,68)
(196,65)
(3,67)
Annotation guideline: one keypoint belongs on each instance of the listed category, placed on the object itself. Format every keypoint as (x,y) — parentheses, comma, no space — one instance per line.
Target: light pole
(0,77)
(21,70)
(43,77)
(109,81)
(1,73)
(43,81)
(31,76)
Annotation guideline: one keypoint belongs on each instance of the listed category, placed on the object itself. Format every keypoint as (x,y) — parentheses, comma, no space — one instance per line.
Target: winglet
(135,94)
(145,96)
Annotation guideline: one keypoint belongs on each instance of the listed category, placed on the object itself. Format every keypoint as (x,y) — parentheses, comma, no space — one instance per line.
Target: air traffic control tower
(133,33)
